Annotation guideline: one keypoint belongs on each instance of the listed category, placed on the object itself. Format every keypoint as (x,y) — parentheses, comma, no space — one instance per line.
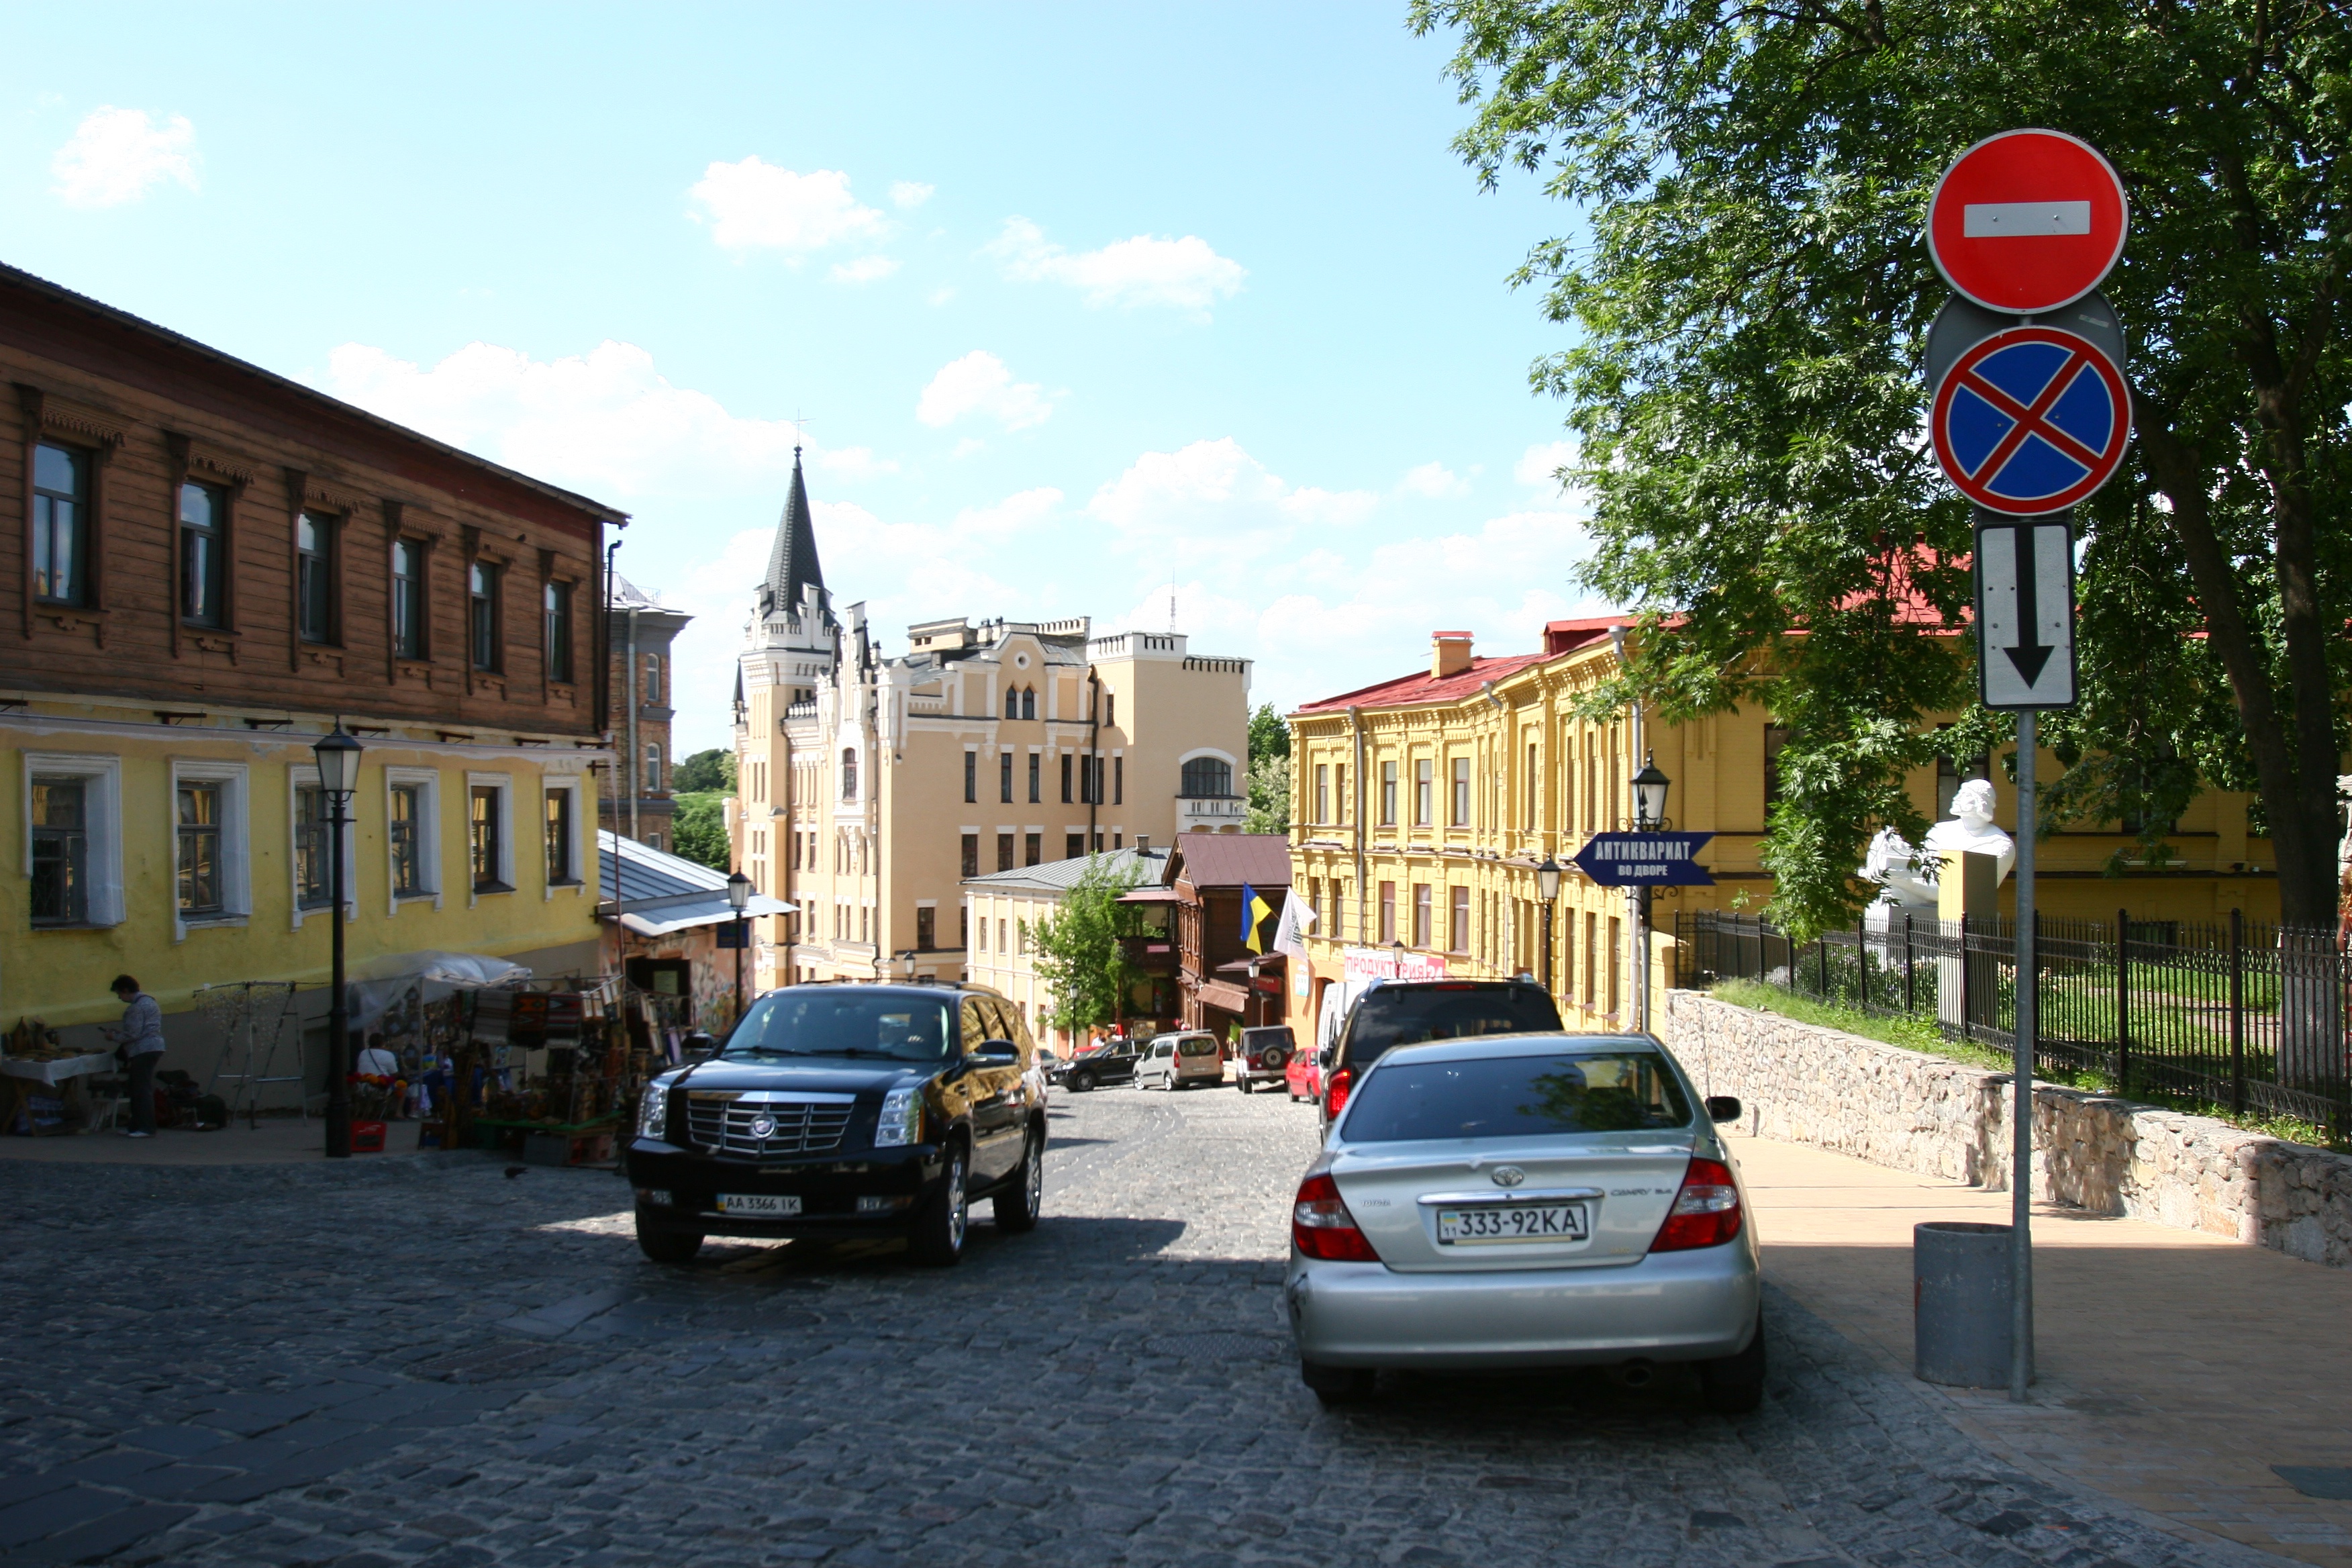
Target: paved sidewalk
(278,1141)
(2175,1368)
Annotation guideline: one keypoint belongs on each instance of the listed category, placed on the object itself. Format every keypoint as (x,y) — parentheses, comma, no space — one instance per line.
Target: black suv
(1407,1012)
(840,1111)
(1115,1063)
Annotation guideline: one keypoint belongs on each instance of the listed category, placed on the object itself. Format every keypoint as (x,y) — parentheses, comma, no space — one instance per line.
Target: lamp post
(338,774)
(739,894)
(1649,787)
(1548,890)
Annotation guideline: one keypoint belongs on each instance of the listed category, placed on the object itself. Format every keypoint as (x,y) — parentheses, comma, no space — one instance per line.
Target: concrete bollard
(1961,1303)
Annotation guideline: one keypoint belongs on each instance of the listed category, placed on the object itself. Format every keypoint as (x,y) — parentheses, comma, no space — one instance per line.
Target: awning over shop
(1229,998)
(1151,896)
(669,916)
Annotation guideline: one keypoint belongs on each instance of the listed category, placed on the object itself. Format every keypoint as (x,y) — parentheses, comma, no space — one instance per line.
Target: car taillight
(1335,1092)
(1322,1227)
(1706,1212)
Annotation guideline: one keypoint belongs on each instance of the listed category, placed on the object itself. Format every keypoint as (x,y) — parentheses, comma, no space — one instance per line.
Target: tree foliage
(1749,293)
(711,770)
(1078,951)
(1269,735)
(699,831)
(1269,795)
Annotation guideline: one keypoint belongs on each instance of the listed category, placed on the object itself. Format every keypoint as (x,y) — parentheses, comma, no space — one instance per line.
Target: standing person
(139,1040)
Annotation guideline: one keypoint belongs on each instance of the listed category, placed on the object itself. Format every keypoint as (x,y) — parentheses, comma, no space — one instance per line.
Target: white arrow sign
(2025,612)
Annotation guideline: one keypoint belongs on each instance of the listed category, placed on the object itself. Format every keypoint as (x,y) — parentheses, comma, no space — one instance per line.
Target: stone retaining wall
(1805,1084)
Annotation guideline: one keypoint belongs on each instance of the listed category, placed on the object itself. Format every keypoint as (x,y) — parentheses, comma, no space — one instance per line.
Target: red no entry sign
(2027,221)
(2030,420)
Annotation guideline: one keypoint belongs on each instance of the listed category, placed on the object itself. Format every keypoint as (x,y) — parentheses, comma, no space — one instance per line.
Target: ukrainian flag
(1254,912)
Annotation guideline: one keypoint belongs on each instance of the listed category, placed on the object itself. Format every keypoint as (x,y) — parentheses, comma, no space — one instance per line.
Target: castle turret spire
(792,563)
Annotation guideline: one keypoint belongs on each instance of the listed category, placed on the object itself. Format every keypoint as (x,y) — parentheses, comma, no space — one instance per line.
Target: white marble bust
(1910,876)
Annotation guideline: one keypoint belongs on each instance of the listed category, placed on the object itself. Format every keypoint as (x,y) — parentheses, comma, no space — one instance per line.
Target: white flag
(1290,932)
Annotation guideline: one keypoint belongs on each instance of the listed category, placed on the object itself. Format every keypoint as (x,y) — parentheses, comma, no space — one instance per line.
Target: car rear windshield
(1196,1047)
(1517,1097)
(1408,1015)
(1273,1035)
(805,1022)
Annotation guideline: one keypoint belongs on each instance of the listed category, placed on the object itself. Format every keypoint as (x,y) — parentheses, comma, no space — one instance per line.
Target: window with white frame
(490,832)
(653,767)
(561,824)
(211,862)
(311,840)
(73,849)
(412,814)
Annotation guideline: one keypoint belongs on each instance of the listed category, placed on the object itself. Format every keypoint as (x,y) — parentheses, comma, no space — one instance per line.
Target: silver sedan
(1526,1201)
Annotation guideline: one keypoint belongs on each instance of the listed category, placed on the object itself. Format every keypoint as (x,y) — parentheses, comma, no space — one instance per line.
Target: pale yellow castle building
(870,786)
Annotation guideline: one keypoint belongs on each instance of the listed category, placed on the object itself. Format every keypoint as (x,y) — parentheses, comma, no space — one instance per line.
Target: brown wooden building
(1220,981)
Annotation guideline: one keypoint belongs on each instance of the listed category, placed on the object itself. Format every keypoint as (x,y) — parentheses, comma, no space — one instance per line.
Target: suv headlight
(652,1110)
(902,1120)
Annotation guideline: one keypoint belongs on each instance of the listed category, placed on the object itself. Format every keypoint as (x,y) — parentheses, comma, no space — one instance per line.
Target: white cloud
(1145,270)
(606,422)
(852,462)
(908,195)
(1434,481)
(865,269)
(941,296)
(979,383)
(969,445)
(117,156)
(1214,488)
(1016,513)
(755,206)
(1539,464)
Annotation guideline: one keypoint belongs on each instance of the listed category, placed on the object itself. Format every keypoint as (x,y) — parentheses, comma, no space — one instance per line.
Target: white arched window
(1208,778)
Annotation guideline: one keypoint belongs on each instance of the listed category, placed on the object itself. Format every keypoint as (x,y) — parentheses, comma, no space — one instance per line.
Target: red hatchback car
(1304,1077)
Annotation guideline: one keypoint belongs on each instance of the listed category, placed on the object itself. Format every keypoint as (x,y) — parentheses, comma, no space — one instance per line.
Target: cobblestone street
(425,1361)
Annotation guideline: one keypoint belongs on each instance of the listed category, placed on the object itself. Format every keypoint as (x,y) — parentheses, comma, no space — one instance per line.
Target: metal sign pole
(2028,1023)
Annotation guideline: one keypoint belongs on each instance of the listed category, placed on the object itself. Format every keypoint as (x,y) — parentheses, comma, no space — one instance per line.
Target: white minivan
(1180,1061)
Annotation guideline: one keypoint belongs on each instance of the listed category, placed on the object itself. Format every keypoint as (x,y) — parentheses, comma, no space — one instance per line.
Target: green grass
(1913,1034)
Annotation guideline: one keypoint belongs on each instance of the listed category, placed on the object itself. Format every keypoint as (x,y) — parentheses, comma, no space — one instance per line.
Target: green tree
(1079,953)
(1269,735)
(698,831)
(711,770)
(1269,795)
(1748,293)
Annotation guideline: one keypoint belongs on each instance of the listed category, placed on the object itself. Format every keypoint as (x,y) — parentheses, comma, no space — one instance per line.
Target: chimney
(1143,844)
(1449,654)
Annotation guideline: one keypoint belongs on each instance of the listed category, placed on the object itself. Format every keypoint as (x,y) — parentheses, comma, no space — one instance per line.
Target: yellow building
(870,787)
(1421,808)
(214,565)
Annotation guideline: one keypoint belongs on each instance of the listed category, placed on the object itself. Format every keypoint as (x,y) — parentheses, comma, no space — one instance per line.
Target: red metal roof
(1230,859)
(1422,687)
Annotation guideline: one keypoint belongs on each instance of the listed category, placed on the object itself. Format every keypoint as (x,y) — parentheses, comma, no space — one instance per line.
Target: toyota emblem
(763,1127)
(1509,1175)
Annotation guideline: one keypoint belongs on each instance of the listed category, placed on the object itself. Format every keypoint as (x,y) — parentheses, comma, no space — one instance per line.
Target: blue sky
(1081,303)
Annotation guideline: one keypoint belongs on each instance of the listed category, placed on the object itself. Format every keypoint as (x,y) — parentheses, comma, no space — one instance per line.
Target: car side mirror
(996,1051)
(697,1045)
(1323,1057)
(1723,1107)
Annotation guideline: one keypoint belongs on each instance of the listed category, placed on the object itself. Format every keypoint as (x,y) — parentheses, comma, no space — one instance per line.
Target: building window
(313,842)
(849,773)
(1531,786)
(1004,851)
(653,766)
(60,851)
(971,775)
(561,841)
(482,614)
(1072,845)
(1065,778)
(983,935)
(485,838)
(1005,777)
(1028,703)
(60,525)
(1111,707)
(1208,778)
(1457,932)
(1423,771)
(408,599)
(200,849)
(963,928)
(1322,792)
(1388,912)
(1460,792)
(1012,703)
(406,819)
(204,554)
(1036,764)
(1033,848)
(314,577)
(1421,914)
(926,929)
(971,854)
(1118,781)
(559,631)
(1388,794)
(653,677)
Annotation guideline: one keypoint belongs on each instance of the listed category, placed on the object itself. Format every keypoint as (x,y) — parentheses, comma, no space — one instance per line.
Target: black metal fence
(2237,1014)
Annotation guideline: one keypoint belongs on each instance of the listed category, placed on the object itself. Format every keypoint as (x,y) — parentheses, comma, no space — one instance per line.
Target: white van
(1181,1062)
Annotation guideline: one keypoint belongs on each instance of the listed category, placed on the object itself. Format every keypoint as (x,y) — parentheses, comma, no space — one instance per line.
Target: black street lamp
(1649,787)
(338,774)
(1548,889)
(739,895)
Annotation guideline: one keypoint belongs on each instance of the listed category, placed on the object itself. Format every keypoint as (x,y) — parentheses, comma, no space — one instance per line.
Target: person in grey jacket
(139,1041)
